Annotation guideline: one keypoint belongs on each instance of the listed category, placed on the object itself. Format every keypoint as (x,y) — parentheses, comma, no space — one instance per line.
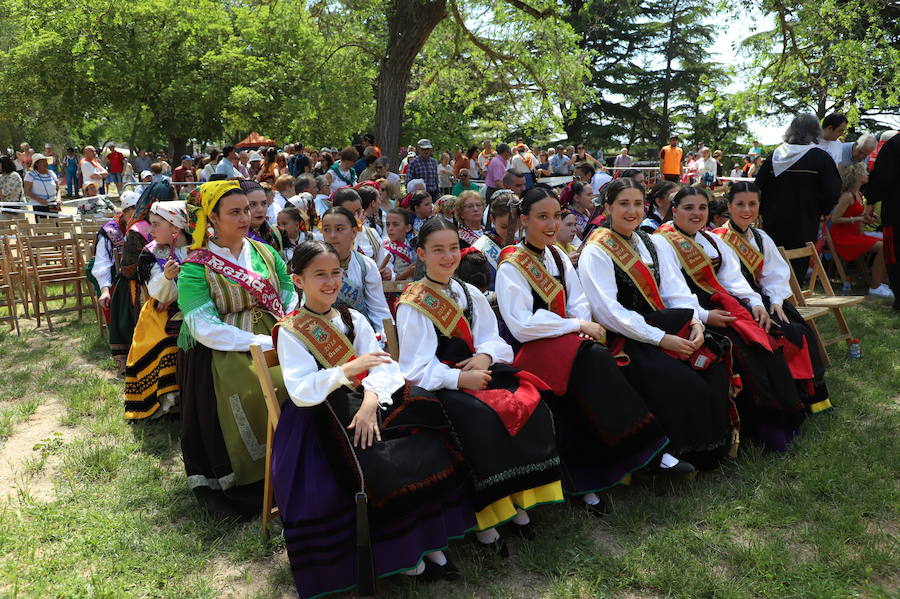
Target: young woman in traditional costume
(368,241)
(399,232)
(769,406)
(361,286)
(127,298)
(769,275)
(450,346)
(342,433)
(151,390)
(635,289)
(660,206)
(604,432)
(104,265)
(260,229)
(232,290)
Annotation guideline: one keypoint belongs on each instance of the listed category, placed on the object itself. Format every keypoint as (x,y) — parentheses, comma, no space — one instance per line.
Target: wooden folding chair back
(809,298)
(262,361)
(392,340)
(14,259)
(394,286)
(67,270)
(8,289)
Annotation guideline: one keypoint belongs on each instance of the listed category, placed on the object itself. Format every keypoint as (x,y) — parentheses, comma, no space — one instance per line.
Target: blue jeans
(115,178)
(72,182)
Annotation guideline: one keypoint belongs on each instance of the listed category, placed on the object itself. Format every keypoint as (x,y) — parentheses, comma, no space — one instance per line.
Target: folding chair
(69,269)
(827,300)
(262,361)
(7,288)
(394,286)
(86,242)
(392,339)
(14,259)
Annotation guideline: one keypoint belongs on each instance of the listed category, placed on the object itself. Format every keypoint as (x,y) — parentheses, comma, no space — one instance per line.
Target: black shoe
(597,510)
(526,531)
(451,572)
(432,572)
(682,468)
(499,547)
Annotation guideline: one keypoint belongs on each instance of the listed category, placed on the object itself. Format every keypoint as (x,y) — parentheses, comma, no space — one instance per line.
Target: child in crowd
(565,237)
(422,207)
(293,230)
(397,245)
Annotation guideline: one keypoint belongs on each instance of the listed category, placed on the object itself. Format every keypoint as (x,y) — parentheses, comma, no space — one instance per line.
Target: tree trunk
(177,149)
(410,23)
(664,124)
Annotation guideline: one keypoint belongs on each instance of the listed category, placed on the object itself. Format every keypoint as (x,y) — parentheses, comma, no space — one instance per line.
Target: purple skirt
(319,515)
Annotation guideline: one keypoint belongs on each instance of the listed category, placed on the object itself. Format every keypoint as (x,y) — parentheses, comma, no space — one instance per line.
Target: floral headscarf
(152,193)
(200,205)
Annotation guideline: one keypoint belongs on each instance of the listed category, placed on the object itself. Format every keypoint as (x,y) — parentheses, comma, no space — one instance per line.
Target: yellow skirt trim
(504,509)
(149,331)
(820,406)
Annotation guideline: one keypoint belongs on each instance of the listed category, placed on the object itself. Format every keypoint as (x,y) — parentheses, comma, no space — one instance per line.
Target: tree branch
(537,14)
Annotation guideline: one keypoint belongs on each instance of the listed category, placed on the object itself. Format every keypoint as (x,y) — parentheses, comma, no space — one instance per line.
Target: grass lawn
(91,506)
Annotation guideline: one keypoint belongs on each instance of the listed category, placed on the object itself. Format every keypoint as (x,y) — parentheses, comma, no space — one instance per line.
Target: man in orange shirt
(670,160)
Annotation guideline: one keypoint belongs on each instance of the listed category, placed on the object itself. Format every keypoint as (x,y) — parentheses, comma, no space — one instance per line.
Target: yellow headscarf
(201,205)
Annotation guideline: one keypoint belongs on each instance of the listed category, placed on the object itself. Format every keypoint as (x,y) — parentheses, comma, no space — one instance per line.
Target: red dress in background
(849,240)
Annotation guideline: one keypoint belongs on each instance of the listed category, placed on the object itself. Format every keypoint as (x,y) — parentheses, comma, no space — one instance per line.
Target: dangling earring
(211,231)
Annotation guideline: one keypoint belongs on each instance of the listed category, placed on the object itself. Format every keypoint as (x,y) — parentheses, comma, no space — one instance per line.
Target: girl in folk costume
(150,387)
(450,347)
(361,286)
(769,275)
(342,173)
(232,290)
(370,201)
(503,216)
(421,205)
(660,199)
(103,266)
(293,230)
(768,403)
(127,298)
(603,432)
(342,433)
(367,241)
(399,231)
(260,229)
(469,211)
(635,289)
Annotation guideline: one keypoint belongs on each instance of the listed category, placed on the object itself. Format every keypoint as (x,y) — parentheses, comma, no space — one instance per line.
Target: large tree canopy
(166,72)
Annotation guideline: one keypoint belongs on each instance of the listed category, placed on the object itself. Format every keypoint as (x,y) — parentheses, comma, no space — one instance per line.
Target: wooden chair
(827,300)
(394,286)
(69,270)
(262,361)
(8,289)
(86,242)
(391,338)
(14,261)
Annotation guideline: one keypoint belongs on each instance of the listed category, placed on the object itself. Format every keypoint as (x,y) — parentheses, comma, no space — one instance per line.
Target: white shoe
(881,291)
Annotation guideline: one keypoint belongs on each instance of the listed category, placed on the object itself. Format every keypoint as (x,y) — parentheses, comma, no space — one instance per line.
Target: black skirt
(206,462)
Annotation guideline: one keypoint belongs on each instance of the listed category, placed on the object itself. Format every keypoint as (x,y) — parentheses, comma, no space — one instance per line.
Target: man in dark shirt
(799,184)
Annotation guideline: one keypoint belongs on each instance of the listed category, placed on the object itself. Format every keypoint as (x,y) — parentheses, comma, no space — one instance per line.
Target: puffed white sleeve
(485,330)
(382,380)
(775,278)
(731,277)
(419,363)
(305,383)
(672,286)
(159,287)
(577,304)
(598,279)
(375,300)
(517,308)
(103,262)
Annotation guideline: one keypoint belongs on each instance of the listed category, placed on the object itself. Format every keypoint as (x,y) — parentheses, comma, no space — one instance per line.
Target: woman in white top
(151,390)
(361,287)
(604,432)
(768,403)
(41,186)
(450,349)
(634,288)
(346,430)
(769,275)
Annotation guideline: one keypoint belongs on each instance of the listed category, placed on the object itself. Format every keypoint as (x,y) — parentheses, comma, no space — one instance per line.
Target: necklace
(532,249)
(305,307)
(446,287)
